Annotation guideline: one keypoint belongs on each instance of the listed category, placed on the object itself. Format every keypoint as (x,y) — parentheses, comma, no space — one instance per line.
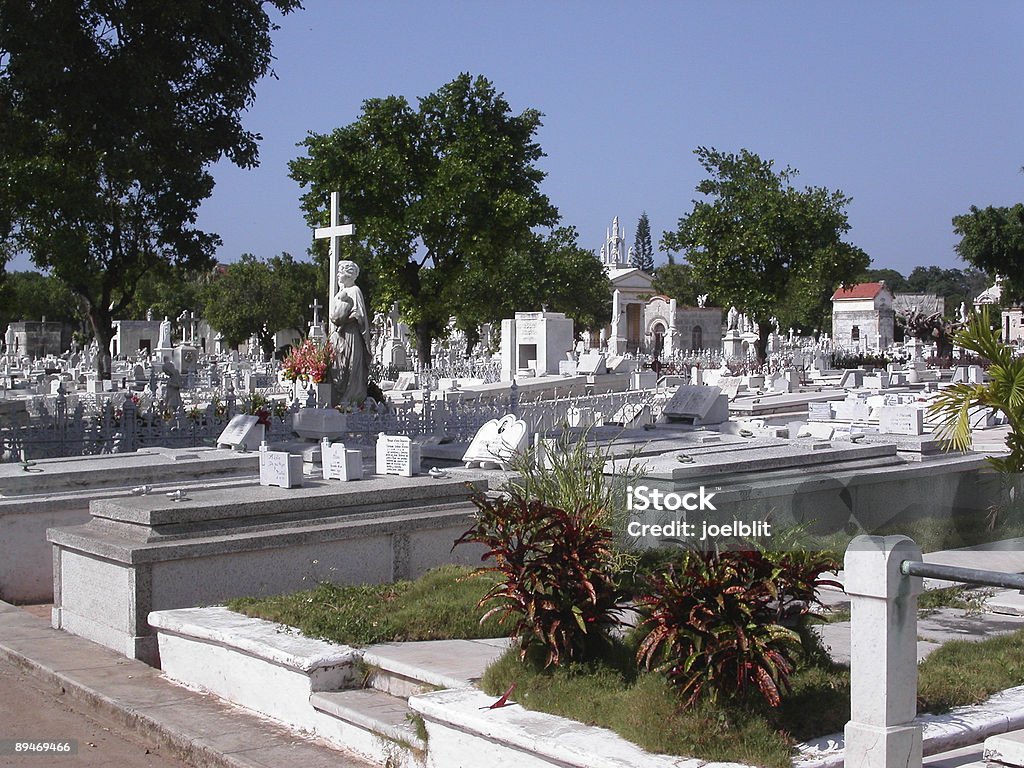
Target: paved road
(29,710)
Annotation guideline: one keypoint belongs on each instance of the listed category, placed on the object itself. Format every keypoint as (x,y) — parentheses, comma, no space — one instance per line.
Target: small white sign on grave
(819,412)
(901,420)
(730,386)
(497,442)
(590,364)
(405,382)
(280,468)
(242,432)
(339,462)
(397,455)
(852,410)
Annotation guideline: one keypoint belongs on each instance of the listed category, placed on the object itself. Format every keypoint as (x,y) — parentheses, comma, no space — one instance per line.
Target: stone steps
(397,671)
(379,713)
(1006,749)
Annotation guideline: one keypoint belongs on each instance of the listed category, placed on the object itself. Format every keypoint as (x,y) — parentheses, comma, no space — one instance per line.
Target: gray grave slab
(142,554)
(697,405)
(591,363)
(851,378)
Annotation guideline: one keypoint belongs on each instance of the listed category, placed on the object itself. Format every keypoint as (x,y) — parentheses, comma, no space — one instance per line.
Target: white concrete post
(883,654)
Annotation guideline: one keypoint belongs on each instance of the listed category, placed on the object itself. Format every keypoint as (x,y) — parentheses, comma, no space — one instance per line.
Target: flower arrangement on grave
(310,362)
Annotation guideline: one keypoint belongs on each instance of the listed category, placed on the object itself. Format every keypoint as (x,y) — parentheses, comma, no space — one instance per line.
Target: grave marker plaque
(819,411)
(852,410)
(901,420)
(242,431)
(730,386)
(339,462)
(397,455)
(590,364)
(697,405)
(280,468)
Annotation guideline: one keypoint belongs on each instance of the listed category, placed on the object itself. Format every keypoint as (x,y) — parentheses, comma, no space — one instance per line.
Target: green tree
(762,245)
(259,298)
(1004,391)
(165,291)
(33,296)
(894,280)
(571,279)
(552,271)
(676,281)
(110,114)
(992,239)
(440,196)
(953,285)
(643,251)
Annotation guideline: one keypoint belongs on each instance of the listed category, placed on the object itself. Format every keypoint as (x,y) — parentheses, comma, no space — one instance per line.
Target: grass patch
(440,605)
(971,600)
(641,707)
(961,672)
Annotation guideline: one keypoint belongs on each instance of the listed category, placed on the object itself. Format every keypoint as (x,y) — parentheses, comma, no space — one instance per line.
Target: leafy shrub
(715,626)
(556,569)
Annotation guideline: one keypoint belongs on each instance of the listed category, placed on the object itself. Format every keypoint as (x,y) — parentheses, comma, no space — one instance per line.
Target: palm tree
(1004,391)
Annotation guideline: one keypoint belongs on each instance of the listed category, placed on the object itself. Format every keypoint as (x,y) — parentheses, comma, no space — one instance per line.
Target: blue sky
(913,109)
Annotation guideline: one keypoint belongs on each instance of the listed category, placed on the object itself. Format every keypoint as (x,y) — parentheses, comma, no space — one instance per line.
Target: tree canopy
(761,244)
(992,239)
(253,297)
(676,281)
(110,114)
(33,296)
(441,196)
(643,250)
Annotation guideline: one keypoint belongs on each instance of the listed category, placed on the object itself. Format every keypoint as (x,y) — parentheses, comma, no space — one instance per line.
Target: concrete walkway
(196,728)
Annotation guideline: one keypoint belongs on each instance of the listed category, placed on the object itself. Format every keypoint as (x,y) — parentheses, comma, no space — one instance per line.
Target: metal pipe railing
(964,575)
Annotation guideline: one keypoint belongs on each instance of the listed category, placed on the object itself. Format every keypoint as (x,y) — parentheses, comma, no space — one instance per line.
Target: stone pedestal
(186,358)
(883,653)
(732,344)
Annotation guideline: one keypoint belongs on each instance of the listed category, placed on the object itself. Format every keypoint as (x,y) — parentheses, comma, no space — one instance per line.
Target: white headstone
(730,386)
(819,412)
(580,417)
(817,431)
(405,382)
(590,364)
(497,442)
(877,380)
(632,415)
(852,410)
(280,468)
(901,420)
(397,455)
(339,462)
(242,431)
(697,405)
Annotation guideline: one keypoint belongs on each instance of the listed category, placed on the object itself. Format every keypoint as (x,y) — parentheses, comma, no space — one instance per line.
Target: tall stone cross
(316,306)
(335,232)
